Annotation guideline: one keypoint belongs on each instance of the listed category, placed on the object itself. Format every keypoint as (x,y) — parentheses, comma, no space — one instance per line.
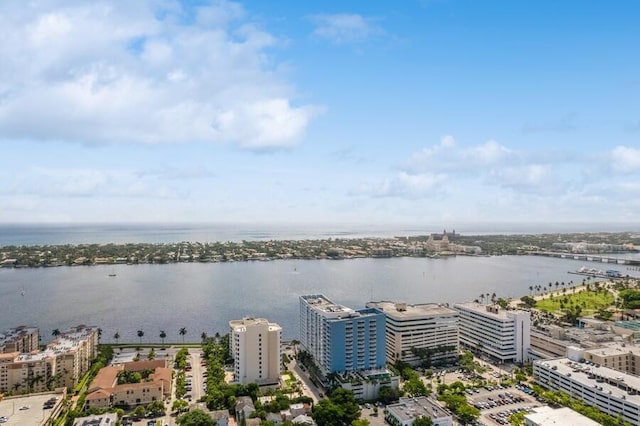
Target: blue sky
(435,112)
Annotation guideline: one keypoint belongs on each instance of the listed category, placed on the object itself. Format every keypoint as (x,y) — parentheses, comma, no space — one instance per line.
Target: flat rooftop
(546,415)
(33,415)
(412,408)
(321,303)
(493,311)
(11,334)
(592,376)
(241,325)
(402,311)
(612,351)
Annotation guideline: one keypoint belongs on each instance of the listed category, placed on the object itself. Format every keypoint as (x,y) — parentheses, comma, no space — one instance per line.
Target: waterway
(204,297)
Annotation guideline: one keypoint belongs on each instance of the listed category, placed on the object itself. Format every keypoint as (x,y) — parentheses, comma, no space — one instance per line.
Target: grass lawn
(587,300)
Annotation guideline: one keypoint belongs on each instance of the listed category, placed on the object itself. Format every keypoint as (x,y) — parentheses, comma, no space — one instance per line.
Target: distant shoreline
(424,246)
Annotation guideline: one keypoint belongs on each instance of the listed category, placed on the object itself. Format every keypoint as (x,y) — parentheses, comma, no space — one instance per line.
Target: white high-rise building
(503,335)
(255,347)
(429,327)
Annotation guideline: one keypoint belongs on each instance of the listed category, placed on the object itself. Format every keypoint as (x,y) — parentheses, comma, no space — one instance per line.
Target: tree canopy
(195,418)
(423,421)
(340,408)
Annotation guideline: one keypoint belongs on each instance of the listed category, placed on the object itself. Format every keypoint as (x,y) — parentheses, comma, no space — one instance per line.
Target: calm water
(29,234)
(169,233)
(204,297)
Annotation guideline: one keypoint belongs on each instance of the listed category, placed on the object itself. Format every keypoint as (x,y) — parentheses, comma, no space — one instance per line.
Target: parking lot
(497,403)
(29,410)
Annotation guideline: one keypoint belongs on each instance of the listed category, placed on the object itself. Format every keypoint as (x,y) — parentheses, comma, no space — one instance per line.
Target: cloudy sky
(416,111)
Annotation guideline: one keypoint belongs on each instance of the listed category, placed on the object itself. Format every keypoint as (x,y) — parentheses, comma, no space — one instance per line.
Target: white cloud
(143,72)
(625,160)
(73,182)
(449,170)
(533,178)
(406,185)
(345,28)
(447,156)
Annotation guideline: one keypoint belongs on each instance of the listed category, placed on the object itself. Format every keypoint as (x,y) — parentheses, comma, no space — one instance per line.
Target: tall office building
(341,339)
(429,327)
(255,346)
(502,335)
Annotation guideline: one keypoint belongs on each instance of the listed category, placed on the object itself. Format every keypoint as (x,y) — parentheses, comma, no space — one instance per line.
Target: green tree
(195,418)
(326,413)
(56,332)
(340,408)
(140,410)
(140,334)
(156,406)
(163,336)
(116,337)
(468,413)
(182,332)
(423,421)
(180,405)
(387,394)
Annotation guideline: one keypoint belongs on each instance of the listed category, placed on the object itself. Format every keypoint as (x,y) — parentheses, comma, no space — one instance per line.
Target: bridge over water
(588,257)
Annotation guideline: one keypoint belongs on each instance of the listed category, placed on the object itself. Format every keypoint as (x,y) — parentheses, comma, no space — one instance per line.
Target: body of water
(172,233)
(58,234)
(205,297)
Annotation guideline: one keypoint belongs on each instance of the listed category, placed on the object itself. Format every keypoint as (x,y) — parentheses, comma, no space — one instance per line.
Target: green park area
(588,302)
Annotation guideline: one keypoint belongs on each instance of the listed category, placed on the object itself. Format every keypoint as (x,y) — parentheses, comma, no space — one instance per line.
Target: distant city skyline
(443,112)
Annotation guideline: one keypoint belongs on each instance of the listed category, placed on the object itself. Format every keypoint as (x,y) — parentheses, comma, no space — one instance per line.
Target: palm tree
(530,289)
(163,336)
(116,337)
(204,337)
(140,334)
(56,332)
(182,332)
(493,298)
(295,344)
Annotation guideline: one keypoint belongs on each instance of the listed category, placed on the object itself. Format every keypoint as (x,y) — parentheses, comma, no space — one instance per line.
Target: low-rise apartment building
(415,333)
(611,391)
(366,385)
(500,334)
(105,392)
(407,410)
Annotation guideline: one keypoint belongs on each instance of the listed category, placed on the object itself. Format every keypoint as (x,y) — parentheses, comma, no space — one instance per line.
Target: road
(308,388)
(197,381)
